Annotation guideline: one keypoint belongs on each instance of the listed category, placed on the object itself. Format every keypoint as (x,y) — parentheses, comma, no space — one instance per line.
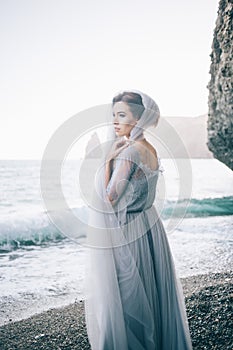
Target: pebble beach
(208,301)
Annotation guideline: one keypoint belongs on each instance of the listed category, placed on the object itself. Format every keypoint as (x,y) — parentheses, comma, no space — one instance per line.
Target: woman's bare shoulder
(146,146)
(148,153)
(152,149)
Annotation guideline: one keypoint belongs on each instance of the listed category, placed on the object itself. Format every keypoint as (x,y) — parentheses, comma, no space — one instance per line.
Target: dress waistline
(122,214)
(138,211)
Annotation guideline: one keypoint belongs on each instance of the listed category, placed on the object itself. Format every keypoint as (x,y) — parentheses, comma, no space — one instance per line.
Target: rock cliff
(220,114)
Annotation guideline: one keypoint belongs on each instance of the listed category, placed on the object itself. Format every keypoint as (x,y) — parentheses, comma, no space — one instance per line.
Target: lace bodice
(133,183)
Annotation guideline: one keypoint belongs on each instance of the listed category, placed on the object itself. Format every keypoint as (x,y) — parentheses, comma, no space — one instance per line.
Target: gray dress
(148,313)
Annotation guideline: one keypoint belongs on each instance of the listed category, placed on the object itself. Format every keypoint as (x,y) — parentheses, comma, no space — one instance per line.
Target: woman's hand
(116,149)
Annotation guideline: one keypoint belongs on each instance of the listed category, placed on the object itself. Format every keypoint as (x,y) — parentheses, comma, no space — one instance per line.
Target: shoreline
(208,304)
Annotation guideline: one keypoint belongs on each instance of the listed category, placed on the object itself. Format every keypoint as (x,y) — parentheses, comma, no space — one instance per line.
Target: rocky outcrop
(220,114)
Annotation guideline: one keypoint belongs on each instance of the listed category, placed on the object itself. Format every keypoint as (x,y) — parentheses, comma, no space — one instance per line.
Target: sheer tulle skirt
(141,305)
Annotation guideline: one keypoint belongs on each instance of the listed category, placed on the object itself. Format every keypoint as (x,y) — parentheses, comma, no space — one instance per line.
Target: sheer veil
(109,253)
(113,281)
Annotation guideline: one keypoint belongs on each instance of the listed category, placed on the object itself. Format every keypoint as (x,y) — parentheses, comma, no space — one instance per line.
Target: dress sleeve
(124,168)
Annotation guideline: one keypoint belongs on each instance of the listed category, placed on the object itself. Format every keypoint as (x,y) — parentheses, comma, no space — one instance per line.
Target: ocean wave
(199,207)
(36,229)
(33,229)
(25,232)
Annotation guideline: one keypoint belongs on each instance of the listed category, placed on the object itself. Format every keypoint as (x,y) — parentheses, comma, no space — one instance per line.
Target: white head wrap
(150,116)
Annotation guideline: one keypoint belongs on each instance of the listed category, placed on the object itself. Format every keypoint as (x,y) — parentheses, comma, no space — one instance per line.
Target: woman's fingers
(120,149)
(116,150)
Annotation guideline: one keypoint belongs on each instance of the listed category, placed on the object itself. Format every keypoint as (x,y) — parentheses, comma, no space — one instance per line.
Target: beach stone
(208,301)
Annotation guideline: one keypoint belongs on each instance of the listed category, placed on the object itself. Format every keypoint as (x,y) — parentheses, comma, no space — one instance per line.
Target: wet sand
(208,301)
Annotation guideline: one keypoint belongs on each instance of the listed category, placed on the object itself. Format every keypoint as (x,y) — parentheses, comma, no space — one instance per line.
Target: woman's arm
(108,172)
(119,179)
(117,147)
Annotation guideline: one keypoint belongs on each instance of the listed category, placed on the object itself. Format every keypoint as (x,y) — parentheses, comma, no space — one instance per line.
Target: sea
(42,268)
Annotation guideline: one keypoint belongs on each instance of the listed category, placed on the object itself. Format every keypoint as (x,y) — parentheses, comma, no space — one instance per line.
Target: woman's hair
(134,101)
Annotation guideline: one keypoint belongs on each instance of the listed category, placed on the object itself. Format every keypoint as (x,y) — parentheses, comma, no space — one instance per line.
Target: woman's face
(123,119)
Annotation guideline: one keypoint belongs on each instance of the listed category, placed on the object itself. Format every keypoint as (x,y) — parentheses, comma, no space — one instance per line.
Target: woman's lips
(117,129)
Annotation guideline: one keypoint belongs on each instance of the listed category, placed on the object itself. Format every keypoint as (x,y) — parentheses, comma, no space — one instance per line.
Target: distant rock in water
(220,115)
(93,148)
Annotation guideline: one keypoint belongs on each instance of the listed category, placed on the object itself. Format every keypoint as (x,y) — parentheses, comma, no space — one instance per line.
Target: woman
(133,298)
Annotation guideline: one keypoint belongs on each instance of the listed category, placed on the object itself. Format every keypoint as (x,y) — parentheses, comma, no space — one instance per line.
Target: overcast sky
(59,57)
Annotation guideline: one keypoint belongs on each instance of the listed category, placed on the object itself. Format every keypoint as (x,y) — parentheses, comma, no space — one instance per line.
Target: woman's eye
(120,115)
